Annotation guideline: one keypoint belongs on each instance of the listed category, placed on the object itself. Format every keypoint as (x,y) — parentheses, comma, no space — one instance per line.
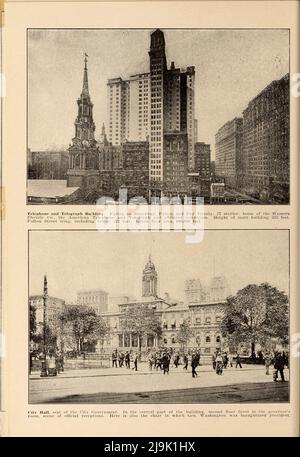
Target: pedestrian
(135,362)
(213,359)
(225,360)
(230,360)
(268,362)
(51,365)
(279,364)
(58,362)
(114,357)
(151,361)
(176,360)
(238,361)
(185,361)
(166,363)
(219,364)
(127,360)
(194,364)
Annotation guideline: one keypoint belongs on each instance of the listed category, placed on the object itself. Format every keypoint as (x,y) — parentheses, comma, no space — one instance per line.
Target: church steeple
(85,85)
(83,152)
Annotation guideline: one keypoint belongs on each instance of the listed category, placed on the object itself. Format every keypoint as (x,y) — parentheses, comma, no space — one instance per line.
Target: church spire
(85,85)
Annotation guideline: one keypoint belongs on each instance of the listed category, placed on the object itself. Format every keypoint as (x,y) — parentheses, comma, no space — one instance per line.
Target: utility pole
(45,299)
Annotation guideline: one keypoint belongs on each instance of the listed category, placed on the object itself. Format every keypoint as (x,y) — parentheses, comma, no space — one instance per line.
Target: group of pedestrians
(54,363)
(162,359)
(279,360)
(127,359)
(224,360)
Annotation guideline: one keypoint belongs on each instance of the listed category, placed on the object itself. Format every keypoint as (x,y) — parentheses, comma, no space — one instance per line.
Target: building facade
(202,159)
(47,164)
(148,106)
(94,298)
(266,150)
(228,150)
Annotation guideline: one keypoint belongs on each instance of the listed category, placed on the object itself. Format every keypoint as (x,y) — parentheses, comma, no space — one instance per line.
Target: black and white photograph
(158,115)
(148,318)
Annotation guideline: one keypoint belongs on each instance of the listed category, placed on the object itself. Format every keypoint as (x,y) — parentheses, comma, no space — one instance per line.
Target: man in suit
(279,363)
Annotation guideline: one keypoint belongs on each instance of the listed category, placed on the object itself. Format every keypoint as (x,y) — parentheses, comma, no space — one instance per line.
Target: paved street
(120,385)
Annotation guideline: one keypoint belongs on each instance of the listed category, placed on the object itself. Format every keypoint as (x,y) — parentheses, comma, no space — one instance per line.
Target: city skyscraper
(147,106)
(229,139)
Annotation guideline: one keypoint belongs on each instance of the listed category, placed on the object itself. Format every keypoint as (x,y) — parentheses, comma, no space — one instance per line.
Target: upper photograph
(158,116)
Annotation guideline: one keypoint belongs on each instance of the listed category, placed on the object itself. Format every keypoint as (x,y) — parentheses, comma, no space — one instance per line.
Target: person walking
(127,360)
(268,362)
(151,361)
(225,359)
(165,361)
(185,361)
(279,364)
(114,358)
(213,359)
(194,364)
(238,361)
(230,360)
(135,362)
(176,360)
(219,364)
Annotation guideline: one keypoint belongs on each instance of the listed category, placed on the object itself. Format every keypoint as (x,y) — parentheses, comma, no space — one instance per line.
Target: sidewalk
(143,369)
(118,384)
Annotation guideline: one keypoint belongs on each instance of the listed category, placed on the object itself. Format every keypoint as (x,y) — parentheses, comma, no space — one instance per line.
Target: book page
(151,200)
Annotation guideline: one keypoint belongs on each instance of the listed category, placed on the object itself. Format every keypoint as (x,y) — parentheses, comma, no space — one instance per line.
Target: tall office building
(265,160)
(139,107)
(202,159)
(118,110)
(229,139)
(148,105)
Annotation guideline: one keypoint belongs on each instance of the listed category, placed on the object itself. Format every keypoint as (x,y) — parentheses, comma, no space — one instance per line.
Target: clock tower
(83,169)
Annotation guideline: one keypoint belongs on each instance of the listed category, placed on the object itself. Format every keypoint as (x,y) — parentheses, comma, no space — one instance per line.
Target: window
(207,339)
(218,339)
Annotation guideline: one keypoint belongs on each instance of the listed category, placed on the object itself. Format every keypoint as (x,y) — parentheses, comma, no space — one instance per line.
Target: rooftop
(50,188)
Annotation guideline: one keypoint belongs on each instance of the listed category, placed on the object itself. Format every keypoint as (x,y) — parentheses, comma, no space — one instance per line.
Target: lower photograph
(158,317)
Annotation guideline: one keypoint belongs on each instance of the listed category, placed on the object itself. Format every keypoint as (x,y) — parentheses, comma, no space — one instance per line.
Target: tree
(86,325)
(50,339)
(32,322)
(256,314)
(141,321)
(185,333)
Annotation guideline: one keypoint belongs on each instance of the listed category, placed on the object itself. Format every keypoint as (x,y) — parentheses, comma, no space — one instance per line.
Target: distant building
(202,159)
(195,292)
(54,308)
(217,192)
(94,298)
(266,143)
(118,110)
(47,164)
(175,163)
(228,150)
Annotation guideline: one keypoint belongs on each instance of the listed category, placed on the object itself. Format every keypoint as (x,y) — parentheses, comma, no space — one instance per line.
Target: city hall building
(203,306)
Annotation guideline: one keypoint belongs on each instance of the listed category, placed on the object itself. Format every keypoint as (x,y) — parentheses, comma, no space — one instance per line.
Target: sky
(232,67)
(80,260)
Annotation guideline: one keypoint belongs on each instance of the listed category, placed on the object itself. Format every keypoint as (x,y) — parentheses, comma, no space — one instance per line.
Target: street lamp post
(44,361)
